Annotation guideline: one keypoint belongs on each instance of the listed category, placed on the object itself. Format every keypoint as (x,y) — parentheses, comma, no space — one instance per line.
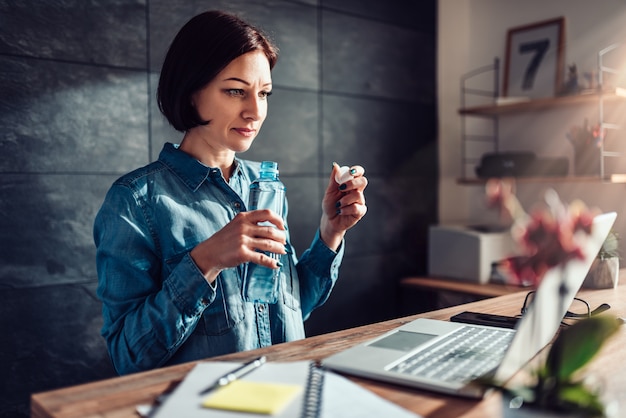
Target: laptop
(445,357)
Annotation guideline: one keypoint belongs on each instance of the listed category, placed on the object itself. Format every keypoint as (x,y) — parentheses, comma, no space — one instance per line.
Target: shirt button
(261,308)
(204,301)
(237,205)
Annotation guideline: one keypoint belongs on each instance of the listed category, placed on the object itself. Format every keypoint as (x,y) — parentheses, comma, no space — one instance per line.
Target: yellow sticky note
(254,397)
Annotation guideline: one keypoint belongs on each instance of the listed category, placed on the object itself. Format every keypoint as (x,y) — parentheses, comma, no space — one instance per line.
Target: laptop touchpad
(402,340)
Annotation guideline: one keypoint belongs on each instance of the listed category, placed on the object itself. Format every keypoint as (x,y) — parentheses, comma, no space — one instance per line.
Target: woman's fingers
(355,210)
(351,199)
(265,232)
(266,244)
(240,241)
(345,174)
(357,171)
(259,216)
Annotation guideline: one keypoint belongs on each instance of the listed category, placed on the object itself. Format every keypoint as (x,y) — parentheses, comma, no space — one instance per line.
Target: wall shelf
(497,106)
(547,103)
(614,179)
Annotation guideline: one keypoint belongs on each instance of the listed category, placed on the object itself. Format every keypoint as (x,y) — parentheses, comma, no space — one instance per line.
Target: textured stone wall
(355,83)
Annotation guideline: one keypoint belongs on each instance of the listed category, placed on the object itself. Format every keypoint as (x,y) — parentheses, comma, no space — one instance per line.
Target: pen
(235,374)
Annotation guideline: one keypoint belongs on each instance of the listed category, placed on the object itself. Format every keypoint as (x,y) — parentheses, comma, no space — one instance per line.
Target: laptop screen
(552,299)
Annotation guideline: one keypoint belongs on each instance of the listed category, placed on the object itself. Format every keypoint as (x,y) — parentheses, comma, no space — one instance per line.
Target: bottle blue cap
(269,167)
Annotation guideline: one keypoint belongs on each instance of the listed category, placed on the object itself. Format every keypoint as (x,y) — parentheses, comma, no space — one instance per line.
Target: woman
(173,237)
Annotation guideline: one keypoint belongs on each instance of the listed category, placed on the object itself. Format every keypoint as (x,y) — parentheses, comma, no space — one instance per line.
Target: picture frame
(534,62)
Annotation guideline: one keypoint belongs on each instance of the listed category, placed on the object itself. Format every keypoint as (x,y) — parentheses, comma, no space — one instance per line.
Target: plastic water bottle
(267,192)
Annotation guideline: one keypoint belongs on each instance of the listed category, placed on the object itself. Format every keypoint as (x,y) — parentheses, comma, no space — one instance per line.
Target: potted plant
(550,237)
(557,388)
(604,272)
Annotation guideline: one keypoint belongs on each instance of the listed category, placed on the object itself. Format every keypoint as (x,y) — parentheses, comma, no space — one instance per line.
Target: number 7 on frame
(534,64)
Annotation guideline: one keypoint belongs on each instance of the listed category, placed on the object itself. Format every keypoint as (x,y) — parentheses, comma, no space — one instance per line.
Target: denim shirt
(157,307)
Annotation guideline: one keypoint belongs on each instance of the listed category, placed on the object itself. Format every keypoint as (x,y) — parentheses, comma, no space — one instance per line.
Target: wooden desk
(118,397)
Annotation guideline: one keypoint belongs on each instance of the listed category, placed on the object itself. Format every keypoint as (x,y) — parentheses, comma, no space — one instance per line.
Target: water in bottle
(267,192)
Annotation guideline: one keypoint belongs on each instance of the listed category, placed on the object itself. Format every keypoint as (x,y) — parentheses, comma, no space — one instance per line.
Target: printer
(467,252)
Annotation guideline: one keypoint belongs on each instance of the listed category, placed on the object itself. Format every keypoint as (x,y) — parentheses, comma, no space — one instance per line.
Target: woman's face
(235,103)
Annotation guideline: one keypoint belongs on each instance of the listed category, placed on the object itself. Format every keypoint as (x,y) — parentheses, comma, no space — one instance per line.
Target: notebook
(298,389)
(403,355)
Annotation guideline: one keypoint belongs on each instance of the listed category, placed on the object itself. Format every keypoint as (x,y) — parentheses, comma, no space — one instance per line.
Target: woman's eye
(265,94)
(235,92)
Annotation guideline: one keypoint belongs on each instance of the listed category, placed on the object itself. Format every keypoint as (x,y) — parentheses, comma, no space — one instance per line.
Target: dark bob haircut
(202,48)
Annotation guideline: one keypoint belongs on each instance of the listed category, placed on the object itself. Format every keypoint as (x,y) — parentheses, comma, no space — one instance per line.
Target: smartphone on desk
(491,320)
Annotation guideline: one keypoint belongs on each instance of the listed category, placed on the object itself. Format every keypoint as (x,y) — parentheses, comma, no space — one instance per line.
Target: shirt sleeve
(146,316)
(318,270)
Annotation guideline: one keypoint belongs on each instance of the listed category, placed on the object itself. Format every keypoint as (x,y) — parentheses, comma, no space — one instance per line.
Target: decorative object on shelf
(505,164)
(604,272)
(520,164)
(551,236)
(587,143)
(534,59)
(571,85)
(591,78)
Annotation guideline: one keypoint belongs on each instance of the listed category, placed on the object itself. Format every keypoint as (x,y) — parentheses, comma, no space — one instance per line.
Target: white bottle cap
(343,175)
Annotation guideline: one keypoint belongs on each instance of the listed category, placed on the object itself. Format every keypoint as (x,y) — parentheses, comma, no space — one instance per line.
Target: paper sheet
(345,399)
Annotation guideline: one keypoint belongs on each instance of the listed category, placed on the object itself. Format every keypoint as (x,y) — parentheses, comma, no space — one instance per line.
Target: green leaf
(610,246)
(576,397)
(577,344)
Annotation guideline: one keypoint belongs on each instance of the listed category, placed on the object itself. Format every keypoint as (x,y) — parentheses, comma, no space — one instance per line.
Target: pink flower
(548,237)
(501,195)
(582,220)
(546,243)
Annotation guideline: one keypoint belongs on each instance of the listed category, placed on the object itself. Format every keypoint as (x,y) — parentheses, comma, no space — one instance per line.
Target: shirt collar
(191,171)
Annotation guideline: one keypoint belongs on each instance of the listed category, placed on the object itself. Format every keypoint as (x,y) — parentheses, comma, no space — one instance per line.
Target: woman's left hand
(343,205)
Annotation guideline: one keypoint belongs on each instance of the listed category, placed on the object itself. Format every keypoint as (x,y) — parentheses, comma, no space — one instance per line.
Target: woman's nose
(255,108)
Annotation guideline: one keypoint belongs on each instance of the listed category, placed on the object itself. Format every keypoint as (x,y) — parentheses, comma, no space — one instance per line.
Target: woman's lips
(245,131)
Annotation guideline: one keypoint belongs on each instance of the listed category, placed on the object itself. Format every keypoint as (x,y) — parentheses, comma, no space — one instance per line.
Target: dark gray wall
(355,84)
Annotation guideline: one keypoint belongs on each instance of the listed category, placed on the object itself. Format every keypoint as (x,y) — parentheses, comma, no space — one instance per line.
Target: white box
(466,252)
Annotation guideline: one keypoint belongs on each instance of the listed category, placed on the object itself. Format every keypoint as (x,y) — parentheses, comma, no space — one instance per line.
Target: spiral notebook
(291,389)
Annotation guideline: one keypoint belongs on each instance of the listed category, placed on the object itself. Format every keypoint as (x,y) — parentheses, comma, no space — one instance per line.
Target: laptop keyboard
(466,354)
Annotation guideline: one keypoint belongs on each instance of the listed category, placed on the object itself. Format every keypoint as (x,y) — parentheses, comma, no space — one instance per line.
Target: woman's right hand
(238,241)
